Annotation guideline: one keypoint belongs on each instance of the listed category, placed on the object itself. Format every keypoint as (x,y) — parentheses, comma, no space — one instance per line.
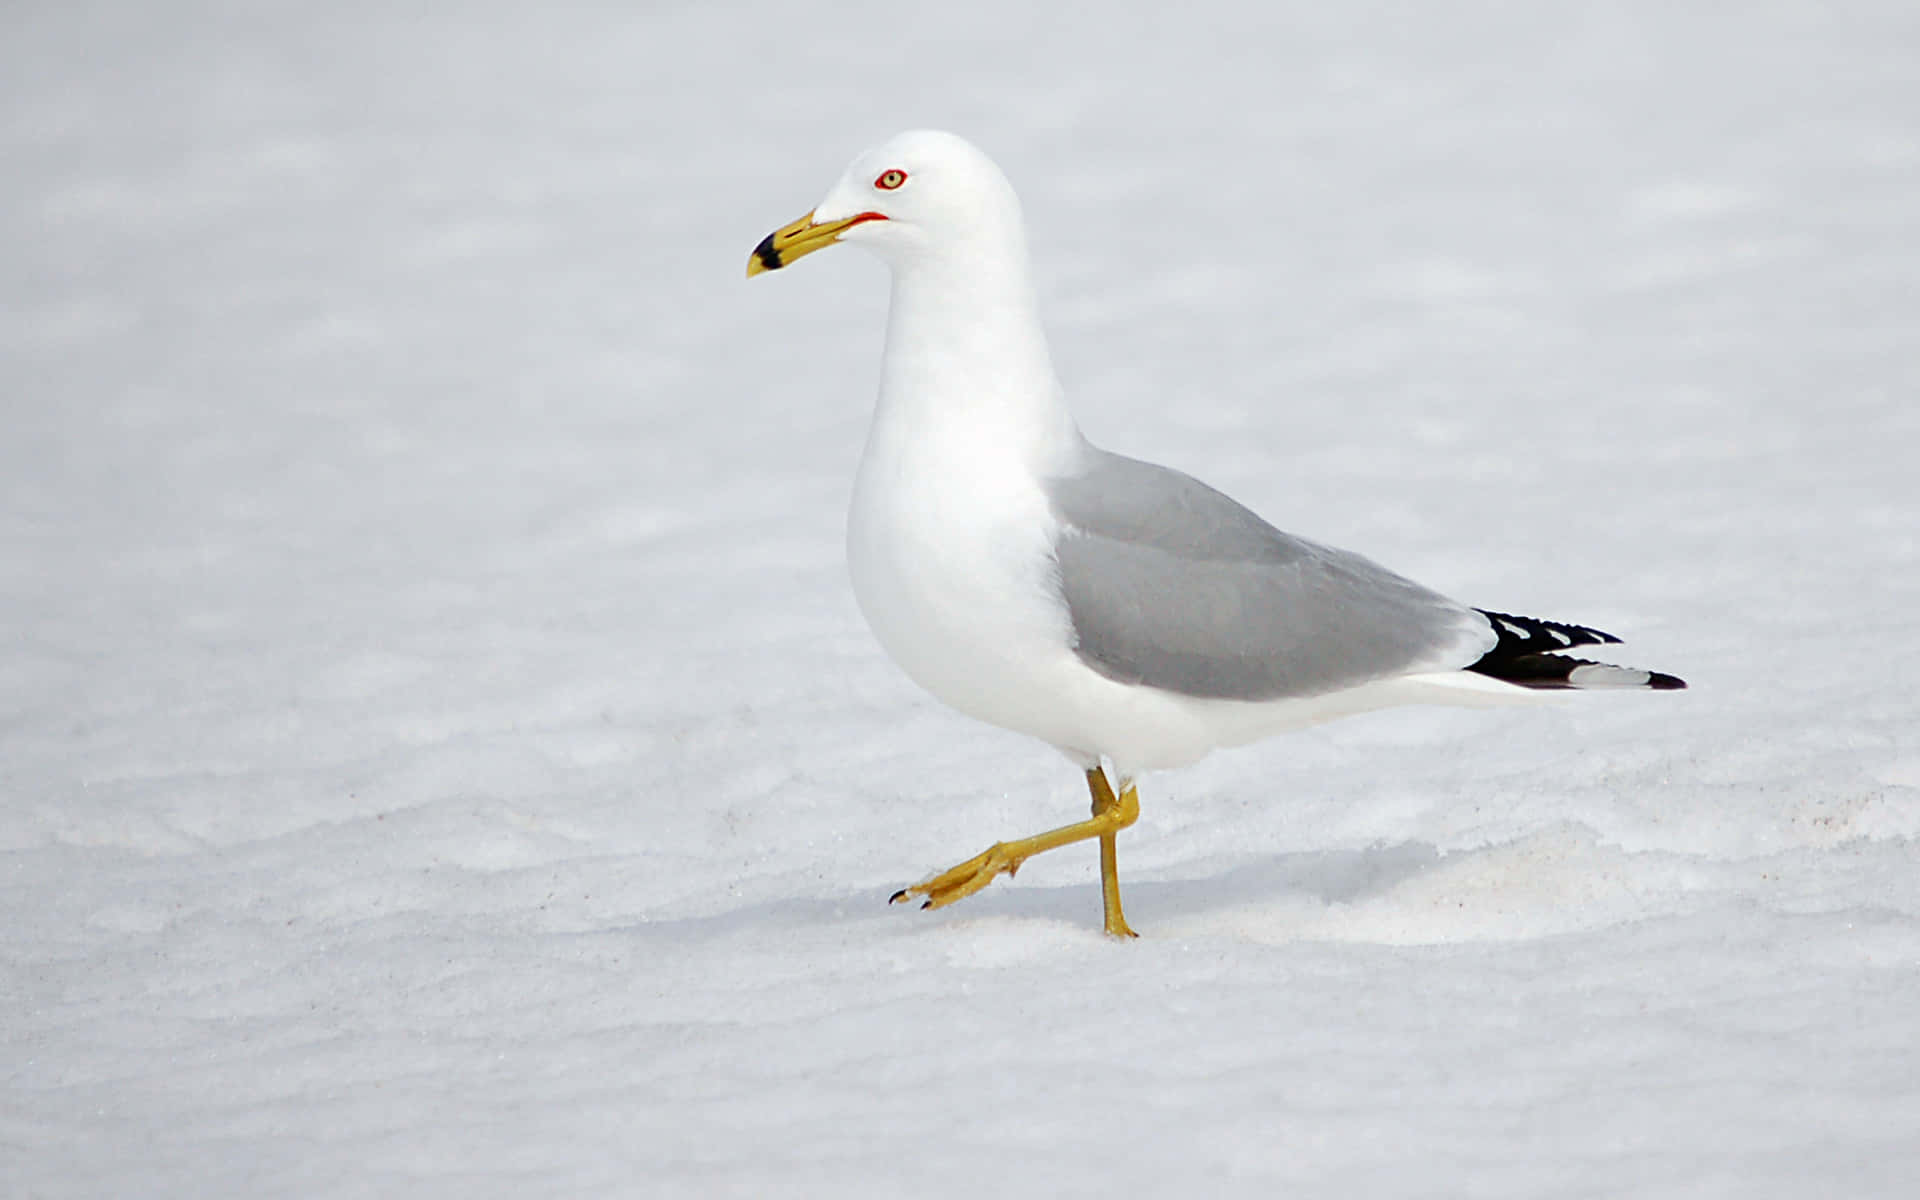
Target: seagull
(1125,613)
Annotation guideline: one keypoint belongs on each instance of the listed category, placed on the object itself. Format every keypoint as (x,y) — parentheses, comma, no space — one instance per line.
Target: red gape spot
(890,179)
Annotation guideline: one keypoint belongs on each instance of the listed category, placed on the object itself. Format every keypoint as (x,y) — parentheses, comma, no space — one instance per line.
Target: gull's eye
(890,180)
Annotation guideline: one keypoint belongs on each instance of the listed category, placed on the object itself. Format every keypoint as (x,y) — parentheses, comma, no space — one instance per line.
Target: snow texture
(440,755)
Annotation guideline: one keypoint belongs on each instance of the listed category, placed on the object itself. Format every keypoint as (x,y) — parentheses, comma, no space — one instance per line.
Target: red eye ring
(890,179)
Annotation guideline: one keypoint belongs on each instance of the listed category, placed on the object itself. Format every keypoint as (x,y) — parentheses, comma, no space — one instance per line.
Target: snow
(439,754)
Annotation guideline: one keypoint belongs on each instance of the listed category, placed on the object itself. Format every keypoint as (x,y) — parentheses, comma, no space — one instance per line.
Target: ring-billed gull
(1118,610)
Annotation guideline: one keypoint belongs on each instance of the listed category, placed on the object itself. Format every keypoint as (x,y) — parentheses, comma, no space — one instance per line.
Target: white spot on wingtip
(1600,675)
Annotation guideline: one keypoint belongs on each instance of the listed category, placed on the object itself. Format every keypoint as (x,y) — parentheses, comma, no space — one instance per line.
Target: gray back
(1172,584)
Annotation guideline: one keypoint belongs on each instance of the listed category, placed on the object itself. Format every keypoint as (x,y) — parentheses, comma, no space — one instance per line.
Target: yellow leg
(1127,804)
(1111,814)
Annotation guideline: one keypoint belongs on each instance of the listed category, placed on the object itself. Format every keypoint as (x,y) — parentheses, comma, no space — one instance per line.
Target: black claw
(897,897)
(924,907)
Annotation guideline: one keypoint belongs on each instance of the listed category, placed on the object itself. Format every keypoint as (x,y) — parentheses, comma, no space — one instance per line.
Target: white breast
(950,548)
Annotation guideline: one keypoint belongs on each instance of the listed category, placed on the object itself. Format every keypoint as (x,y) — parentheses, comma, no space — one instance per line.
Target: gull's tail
(1528,654)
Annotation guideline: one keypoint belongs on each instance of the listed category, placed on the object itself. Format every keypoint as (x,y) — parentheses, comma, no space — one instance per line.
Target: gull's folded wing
(1172,584)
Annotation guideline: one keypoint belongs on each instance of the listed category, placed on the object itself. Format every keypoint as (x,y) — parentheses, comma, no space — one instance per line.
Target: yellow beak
(800,239)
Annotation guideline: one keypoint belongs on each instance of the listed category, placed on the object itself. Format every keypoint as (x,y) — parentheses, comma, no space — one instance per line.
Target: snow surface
(440,756)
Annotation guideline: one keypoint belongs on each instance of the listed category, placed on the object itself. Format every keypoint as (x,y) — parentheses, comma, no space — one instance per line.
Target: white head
(918,196)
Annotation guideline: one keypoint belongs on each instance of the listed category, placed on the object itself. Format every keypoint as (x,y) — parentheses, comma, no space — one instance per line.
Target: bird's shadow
(1326,876)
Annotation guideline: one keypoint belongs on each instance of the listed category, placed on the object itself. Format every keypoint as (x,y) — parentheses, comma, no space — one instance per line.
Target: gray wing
(1172,584)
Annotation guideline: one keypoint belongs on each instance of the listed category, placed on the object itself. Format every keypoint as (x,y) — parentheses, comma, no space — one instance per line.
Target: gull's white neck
(949,536)
(966,365)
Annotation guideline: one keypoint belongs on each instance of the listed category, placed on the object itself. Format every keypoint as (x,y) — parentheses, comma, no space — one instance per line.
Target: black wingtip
(1529,652)
(1552,671)
(1531,635)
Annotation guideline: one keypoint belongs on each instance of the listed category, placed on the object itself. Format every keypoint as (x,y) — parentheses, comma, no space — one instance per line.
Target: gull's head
(914,196)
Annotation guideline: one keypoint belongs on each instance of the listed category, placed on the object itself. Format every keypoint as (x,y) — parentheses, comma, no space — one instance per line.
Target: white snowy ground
(440,756)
